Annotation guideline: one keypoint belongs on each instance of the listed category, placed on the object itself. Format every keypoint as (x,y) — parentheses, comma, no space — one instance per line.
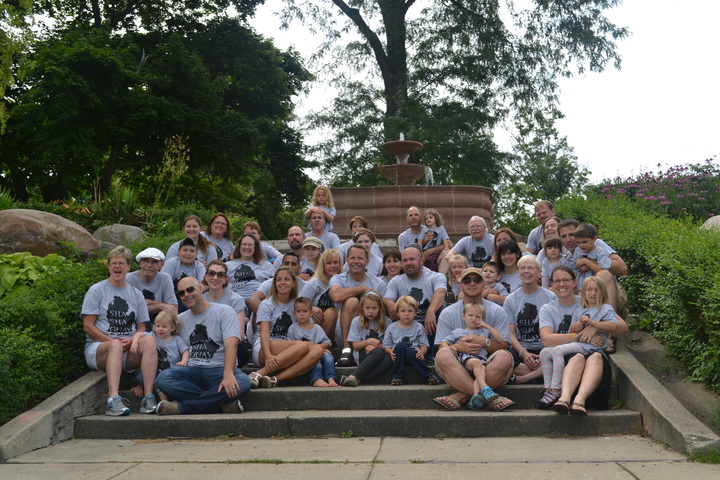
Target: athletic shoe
(117,407)
(346,358)
(233,407)
(148,404)
(166,407)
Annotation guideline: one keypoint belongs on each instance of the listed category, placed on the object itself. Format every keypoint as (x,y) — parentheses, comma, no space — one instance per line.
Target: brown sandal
(612,344)
(578,409)
(561,407)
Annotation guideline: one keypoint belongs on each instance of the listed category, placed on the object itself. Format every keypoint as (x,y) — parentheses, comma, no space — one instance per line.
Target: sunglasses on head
(181,293)
(469,280)
(212,273)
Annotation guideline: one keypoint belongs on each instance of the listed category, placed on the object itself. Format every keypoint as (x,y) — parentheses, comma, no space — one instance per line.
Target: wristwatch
(487,341)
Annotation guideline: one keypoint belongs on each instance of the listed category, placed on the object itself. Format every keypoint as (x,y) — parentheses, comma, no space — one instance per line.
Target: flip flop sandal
(268,382)
(448,403)
(578,409)
(499,403)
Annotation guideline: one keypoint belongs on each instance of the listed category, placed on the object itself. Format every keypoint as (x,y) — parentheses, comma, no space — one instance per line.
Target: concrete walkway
(617,457)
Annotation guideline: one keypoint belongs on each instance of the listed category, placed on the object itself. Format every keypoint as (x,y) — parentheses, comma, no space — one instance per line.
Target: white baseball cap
(150,253)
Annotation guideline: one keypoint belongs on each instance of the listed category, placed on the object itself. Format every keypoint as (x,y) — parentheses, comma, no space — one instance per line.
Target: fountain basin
(402,173)
(385,207)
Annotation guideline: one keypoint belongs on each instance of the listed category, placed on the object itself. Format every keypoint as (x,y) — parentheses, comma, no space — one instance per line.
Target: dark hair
(228,230)
(506,246)
(358,218)
(586,230)
(303,301)
(552,241)
(563,268)
(392,253)
(258,254)
(221,264)
(367,254)
(568,222)
(490,263)
(202,243)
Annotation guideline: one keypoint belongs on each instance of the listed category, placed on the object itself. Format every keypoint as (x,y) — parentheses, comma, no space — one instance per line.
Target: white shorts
(91,357)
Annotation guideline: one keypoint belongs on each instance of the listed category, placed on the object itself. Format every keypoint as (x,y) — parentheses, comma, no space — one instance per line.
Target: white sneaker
(117,407)
(148,404)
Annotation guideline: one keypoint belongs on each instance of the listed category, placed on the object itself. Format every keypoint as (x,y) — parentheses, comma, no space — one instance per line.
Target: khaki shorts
(507,375)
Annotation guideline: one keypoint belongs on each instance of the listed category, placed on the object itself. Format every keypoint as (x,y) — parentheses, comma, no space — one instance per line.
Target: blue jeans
(405,355)
(325,368)
(196,389)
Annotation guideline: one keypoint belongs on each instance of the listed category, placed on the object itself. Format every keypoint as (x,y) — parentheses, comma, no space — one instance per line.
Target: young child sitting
(474,317)
(552,246)
(405,341)
(595,312)
(323,374)
(435,236)
(493,290)
(366,335)
(588,258)
(172,350)
(322,201)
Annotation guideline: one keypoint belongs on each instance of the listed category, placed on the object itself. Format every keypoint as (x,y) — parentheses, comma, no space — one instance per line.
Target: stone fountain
(385,206)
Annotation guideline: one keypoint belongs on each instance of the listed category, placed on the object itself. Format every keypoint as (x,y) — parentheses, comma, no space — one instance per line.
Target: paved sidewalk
(617,457)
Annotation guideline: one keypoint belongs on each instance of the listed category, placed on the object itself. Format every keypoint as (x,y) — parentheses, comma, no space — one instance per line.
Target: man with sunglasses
(156,286)
(499,365)
(211,380)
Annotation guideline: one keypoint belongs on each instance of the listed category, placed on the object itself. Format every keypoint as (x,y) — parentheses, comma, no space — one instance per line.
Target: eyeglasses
(213,273)
(563,280)
(469,280)
(181,293)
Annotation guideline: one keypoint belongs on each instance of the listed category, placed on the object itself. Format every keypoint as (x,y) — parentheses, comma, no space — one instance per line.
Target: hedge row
(673,280)
(41,337)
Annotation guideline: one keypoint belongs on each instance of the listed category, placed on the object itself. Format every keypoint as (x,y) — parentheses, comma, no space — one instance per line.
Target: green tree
(15,35)
(445,72)
(543,167)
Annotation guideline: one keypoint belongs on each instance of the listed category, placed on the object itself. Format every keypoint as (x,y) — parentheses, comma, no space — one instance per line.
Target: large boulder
(42,233)
(119,234)
(712,222)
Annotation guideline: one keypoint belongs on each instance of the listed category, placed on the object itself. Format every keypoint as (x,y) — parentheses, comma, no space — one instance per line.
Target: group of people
(187,320)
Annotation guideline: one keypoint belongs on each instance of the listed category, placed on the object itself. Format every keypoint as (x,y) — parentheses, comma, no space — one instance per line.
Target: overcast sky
(662,106)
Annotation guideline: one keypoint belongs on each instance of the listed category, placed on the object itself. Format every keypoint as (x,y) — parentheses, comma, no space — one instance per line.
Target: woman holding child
(271,348)
(586,378)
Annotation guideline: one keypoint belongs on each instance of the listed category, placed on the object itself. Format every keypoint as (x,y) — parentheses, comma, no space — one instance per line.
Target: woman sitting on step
(586,378)
(279,356)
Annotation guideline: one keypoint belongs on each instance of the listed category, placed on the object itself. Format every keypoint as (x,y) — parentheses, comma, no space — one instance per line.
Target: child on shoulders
(322,201)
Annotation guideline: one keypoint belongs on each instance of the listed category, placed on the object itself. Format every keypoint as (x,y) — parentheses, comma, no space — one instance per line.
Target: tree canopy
(112,82)
(445,73)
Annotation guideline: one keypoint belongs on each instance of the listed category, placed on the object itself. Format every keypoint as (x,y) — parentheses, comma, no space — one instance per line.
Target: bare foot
(320,383)
(138,390)
(332,383)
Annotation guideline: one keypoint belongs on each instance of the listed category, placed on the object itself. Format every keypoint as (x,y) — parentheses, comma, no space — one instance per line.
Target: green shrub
(41,336)
(673,279)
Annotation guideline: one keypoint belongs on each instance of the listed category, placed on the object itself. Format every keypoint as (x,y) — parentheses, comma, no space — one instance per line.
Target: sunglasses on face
(181,293)
(211,273)
(469,280)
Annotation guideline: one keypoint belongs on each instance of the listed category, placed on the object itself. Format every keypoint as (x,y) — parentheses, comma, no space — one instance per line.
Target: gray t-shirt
(439,236)
(558,317)
(374,249)
(315,335)
(344,280)
(451,319)
(421,289)
(225,245)
(599,255)
(160,289)
(414,336)
(374,266)
(407,237)
(319,293)
(511,281)
(206,333)
(118,311)
(281,316)
(603,313)
(245,277)
(523,311)
(360,334)
(477,252)
(229,298)
(328,239)
(535,239)
(169,351)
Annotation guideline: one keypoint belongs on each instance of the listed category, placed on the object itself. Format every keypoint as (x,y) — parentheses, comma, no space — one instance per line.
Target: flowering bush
(692,189)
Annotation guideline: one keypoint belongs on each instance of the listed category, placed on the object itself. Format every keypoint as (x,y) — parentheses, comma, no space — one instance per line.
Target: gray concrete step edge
(664,417)
(400,423)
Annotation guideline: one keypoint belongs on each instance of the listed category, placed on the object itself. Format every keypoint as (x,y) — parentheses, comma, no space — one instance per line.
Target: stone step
(365,397)
(402,423)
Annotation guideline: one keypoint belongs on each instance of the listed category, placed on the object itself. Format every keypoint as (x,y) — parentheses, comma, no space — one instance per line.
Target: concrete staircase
(295,409)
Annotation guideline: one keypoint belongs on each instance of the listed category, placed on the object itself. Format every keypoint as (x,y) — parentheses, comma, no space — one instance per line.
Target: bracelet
(522,350)
(574,334)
